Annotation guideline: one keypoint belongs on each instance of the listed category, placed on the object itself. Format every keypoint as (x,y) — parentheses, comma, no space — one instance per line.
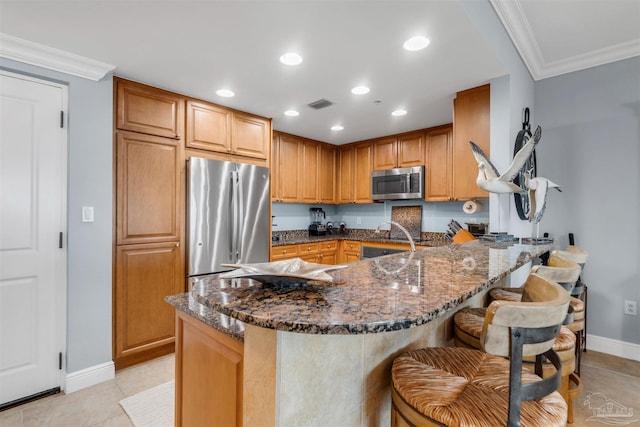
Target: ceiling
(197,47)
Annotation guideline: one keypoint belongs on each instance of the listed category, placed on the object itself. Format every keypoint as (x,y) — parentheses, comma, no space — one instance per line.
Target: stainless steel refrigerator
(228,215)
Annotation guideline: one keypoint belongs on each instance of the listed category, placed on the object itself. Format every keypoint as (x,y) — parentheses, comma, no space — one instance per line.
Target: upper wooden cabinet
(208,127)
(302,170)
(285,163)
(438,173)
(149,182)
(354,173)
(399,151)
(145,109)
(471,122)
(218,129)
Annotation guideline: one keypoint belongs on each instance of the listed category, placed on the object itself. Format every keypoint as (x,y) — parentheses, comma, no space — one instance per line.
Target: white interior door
(32,216)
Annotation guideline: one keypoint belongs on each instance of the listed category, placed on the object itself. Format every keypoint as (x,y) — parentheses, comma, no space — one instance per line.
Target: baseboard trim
(90,376)
(623,349)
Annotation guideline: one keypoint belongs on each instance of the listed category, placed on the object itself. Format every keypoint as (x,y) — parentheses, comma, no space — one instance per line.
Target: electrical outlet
(631,308)
(358,220)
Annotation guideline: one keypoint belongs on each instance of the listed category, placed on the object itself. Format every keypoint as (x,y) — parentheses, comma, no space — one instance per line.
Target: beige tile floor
(616,379)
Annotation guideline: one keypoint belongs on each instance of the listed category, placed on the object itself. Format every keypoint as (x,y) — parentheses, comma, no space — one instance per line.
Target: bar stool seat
(456,386)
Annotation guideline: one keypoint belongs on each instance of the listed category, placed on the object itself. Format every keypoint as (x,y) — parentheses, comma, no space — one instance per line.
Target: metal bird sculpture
(538,188)
(488,177)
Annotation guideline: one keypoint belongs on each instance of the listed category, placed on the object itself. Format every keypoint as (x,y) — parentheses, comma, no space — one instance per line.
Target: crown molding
(517,26)
(51,58)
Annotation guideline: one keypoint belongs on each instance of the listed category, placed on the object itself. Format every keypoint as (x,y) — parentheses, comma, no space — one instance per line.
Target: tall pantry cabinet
(149,220)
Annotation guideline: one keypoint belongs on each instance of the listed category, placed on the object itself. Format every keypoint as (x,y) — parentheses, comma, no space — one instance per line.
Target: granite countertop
(374,295)
(295,237)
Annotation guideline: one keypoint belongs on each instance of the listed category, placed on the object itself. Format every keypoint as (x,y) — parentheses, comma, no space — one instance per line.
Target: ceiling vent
(319,104)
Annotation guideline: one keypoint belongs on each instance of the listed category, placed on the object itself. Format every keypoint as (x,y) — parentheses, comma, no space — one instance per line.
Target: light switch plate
(87,214)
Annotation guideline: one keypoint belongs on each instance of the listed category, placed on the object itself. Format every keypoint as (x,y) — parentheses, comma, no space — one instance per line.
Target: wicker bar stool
(468,323)
(578,301)
(455,386)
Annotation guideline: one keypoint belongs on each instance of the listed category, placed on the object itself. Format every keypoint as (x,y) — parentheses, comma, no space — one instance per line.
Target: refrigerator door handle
(239,217)
(233,216)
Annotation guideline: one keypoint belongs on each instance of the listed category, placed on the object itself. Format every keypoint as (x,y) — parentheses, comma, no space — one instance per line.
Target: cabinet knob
(178,135)
(177,244)
(284,251)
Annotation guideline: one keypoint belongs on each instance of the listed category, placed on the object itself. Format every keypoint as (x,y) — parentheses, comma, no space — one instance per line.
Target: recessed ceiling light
(399,112)
(291,113)
(360,90)
(416,43)
(225,92)
(291,58)
(337,127)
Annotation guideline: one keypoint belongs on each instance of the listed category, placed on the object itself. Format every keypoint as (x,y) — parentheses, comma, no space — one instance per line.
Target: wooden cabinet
(149,188)
(284,170)
(400,151)
(303,170)
(145,109)
(308,252)
(209,375)
(328,252)
(208,127)
(143,322)
(327,173)
(279,253)
(471,122)
(350,251)
(438,173)
(308,172)
(354,173)
(214,128)
(149,220)
(325,252)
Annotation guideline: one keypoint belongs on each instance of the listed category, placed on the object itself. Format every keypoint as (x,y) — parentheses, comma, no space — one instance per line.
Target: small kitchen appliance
(317,228)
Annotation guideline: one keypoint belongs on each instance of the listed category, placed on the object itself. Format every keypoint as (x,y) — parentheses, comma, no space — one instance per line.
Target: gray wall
(89,183)
(591,146)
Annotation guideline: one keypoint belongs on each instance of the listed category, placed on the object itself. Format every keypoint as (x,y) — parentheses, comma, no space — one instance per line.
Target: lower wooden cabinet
(350,251)
(325,252)
(209,375)
(144,322)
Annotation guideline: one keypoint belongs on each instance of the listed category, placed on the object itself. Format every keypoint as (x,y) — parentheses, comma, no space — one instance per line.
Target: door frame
(60,282)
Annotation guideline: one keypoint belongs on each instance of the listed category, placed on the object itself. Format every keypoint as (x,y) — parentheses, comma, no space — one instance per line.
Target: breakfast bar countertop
(375,295)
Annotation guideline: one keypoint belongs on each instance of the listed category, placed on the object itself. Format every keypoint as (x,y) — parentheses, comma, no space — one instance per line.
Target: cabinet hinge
(60,361)
(61,119)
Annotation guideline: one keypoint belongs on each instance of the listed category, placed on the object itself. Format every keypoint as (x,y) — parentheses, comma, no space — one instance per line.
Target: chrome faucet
(404,230)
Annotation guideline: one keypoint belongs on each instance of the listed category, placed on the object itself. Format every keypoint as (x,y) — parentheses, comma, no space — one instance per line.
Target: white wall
(591,146)
(90,165)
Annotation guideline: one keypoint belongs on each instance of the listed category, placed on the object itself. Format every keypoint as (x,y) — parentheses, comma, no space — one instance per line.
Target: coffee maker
(317,228)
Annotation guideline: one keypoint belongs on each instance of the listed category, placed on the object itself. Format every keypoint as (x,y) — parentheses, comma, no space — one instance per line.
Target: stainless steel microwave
(398,184)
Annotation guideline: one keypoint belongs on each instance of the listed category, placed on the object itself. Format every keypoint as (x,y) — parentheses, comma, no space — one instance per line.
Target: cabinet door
(385,153)
(145,274)
(438,170)
(149,172)
(250,136)
(148,110)
(288,164)
(209,375)
(345,175)
(471,122)
(362,173)
(411,150)
(208,127)
(279,253)
(327,174)
(308,177)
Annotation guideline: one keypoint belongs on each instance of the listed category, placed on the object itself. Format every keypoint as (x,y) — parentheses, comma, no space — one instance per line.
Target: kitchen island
(320,353)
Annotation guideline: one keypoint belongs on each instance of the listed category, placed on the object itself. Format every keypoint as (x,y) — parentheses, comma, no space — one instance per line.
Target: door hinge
(62,119)
(60,361)
(60,240)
